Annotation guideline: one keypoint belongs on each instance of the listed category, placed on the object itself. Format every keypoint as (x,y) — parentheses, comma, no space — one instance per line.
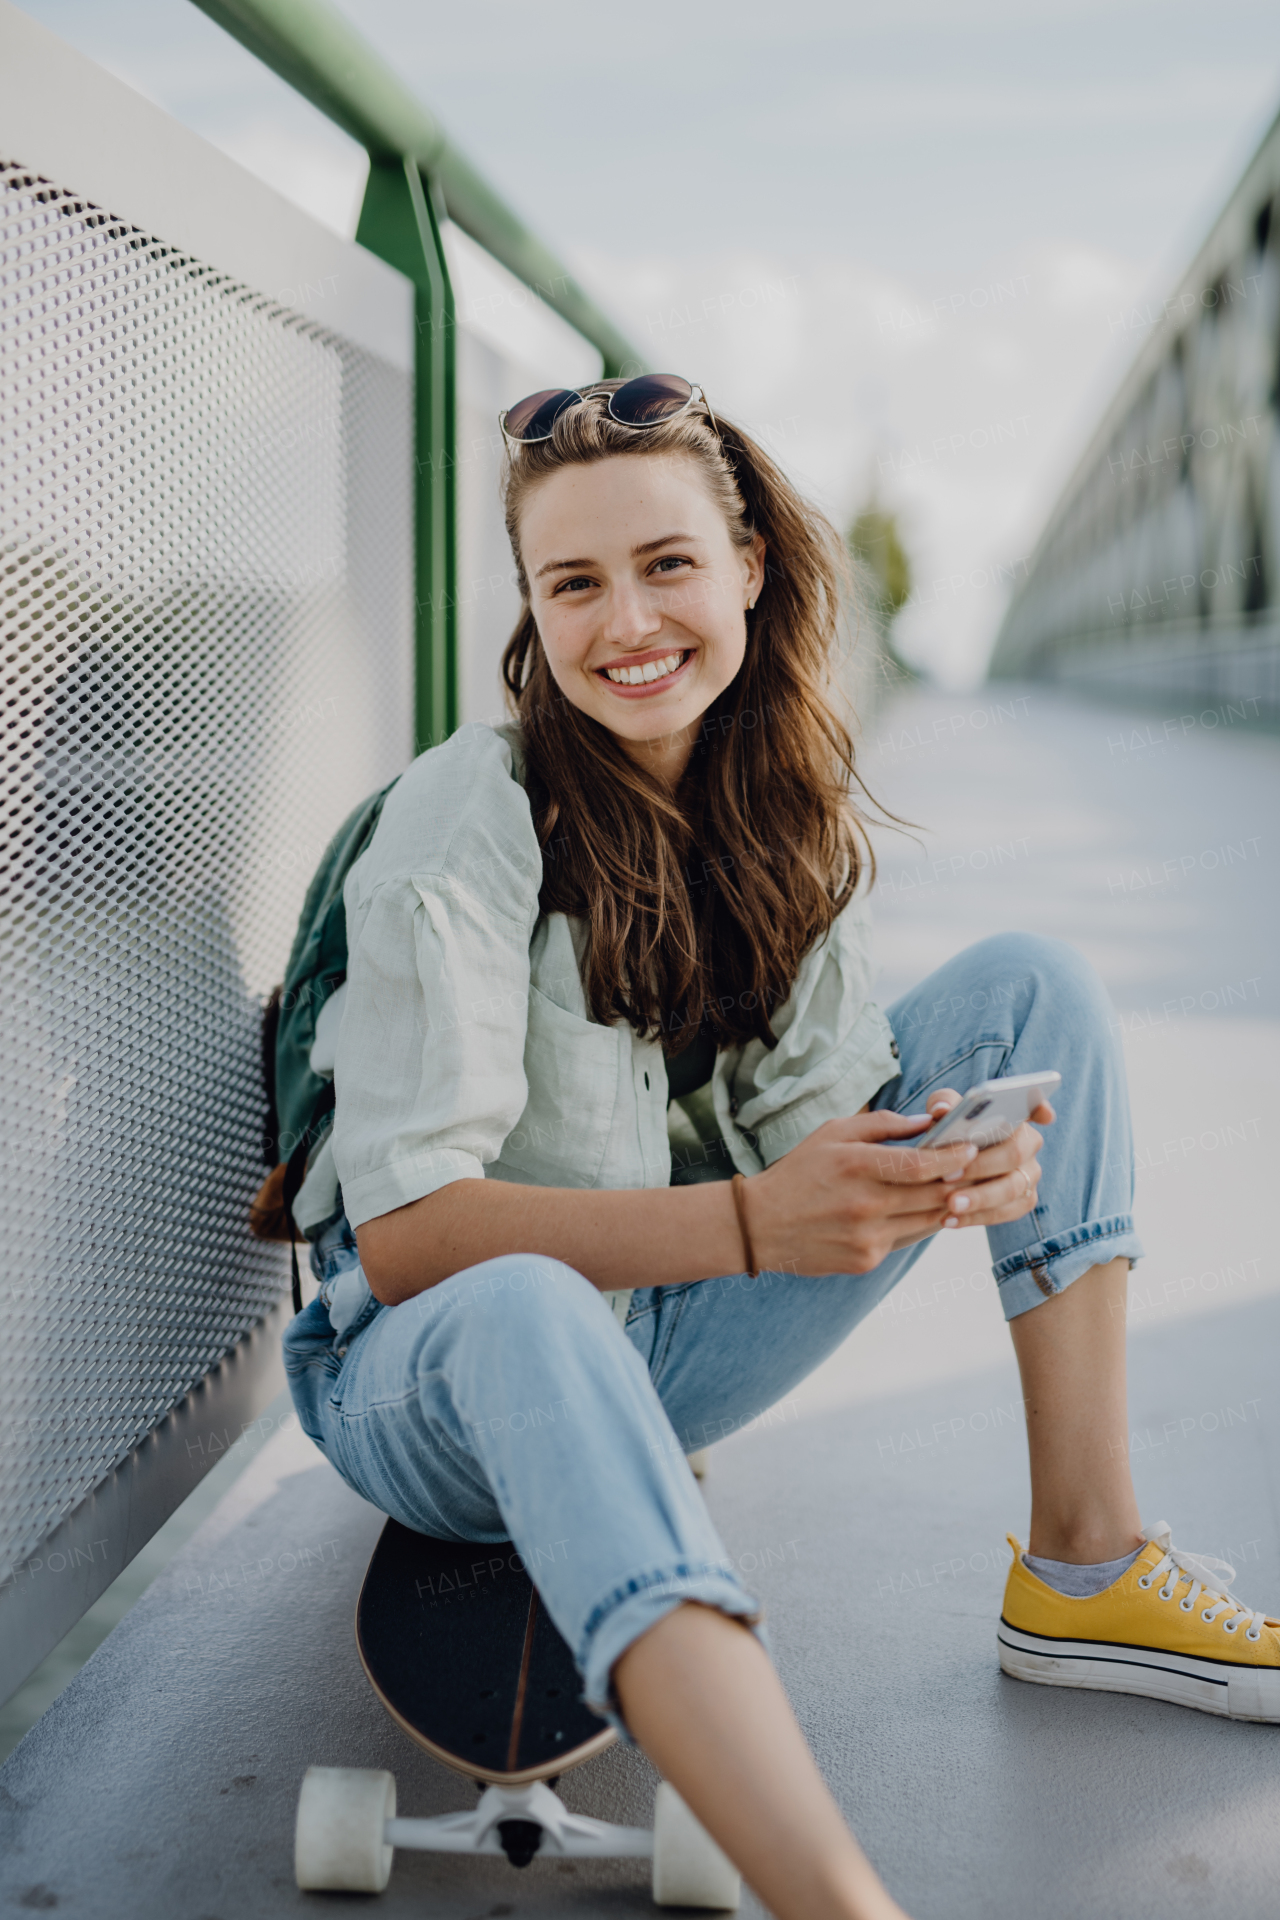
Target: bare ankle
(1083,1545)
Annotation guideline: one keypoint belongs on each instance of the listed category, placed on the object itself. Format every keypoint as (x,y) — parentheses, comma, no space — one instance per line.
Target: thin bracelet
(740,1202)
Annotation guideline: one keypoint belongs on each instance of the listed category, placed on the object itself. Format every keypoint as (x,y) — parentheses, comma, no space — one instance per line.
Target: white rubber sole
(1212,1686)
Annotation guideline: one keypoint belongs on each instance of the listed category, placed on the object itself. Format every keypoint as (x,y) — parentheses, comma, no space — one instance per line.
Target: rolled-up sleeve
(429,1070)
(835,1049)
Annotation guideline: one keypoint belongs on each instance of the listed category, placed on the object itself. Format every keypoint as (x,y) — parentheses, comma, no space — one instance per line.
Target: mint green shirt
(462,1045)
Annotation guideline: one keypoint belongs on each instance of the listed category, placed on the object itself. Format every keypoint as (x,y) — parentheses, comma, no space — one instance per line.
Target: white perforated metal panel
(206,619)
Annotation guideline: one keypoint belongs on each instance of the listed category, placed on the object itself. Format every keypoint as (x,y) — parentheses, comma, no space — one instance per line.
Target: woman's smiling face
(639,596)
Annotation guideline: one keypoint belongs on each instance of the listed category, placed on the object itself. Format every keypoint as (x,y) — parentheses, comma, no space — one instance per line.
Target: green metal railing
(416,176)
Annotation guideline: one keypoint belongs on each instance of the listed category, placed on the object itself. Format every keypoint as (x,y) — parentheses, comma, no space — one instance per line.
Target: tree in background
(883,571)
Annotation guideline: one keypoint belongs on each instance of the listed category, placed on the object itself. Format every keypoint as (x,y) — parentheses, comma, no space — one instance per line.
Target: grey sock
(1080,1583)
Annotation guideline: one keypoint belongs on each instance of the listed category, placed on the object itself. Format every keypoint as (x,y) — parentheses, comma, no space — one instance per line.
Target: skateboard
(459,1648)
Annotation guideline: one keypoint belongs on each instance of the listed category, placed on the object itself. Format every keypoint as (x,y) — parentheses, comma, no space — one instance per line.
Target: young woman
(653,883)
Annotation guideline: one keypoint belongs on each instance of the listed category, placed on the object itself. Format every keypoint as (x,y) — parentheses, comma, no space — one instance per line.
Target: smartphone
(990,1112)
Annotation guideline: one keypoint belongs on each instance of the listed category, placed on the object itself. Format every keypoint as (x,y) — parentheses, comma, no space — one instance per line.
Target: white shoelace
(1209,1579)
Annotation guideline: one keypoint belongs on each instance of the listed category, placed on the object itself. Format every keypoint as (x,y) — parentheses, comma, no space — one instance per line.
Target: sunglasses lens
(650,398)
(533,419)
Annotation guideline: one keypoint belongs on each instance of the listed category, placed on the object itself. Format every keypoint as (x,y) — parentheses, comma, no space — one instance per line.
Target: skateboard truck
(521,1821)
(348,1830)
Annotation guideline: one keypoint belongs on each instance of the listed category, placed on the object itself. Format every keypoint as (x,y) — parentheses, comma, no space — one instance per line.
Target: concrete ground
(870,1509)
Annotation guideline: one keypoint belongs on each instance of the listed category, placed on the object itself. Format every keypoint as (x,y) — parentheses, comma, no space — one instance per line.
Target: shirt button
(341,1352)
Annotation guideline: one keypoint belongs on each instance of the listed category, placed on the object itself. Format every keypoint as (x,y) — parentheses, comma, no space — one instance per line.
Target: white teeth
(652,670)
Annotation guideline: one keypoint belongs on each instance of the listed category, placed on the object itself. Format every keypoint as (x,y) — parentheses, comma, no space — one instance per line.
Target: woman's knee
(527,1297)
(1018,968)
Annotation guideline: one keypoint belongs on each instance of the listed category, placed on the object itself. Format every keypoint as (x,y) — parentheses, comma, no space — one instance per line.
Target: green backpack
(299,1102)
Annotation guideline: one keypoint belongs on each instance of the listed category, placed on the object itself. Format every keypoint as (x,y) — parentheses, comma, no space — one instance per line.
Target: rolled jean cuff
(632,1610)
(1033,1275)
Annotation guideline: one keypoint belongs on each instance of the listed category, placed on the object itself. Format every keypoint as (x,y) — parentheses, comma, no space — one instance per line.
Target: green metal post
(398,222)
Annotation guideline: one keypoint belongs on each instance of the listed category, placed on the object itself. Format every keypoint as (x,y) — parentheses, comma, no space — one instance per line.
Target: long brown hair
(699,904)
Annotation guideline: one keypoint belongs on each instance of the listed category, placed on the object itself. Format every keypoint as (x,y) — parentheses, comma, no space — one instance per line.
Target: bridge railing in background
(230,520)
(1159,571)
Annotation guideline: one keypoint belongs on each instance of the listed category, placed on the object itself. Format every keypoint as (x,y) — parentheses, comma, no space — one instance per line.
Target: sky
(902,243)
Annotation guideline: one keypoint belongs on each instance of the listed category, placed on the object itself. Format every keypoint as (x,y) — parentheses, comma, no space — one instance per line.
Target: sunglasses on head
(649,400)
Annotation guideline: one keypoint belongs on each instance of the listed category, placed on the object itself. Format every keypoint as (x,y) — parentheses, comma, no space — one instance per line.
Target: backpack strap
(295,1172)
(271,1121)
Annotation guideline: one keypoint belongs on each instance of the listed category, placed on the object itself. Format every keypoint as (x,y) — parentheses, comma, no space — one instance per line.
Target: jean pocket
(311,1367)
(670,1313)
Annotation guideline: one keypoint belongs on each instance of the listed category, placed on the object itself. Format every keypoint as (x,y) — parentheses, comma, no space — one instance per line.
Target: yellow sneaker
(1167,1628)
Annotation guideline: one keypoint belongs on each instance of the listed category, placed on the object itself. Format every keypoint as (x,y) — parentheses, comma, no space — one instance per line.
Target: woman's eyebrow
(637,553)
(651,546)
(550,566)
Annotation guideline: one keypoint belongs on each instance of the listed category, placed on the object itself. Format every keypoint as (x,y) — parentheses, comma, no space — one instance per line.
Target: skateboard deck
(465,1658)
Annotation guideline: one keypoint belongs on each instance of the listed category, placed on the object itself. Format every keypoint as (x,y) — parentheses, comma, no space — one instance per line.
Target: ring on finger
(1026,1177)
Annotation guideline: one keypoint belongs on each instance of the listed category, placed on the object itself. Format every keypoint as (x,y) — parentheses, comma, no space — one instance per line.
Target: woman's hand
(849,1195)
(1006,1176)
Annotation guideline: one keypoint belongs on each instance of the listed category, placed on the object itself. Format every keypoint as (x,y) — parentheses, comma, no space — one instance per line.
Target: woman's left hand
(1001,1183)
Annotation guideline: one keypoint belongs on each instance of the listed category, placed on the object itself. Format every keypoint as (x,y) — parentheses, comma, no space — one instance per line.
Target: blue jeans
(508,1403)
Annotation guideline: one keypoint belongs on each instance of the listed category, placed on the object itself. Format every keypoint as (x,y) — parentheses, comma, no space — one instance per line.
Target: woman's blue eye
(579,580)
(672,560)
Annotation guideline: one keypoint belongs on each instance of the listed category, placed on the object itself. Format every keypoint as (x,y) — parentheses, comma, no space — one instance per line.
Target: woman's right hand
(843,1199)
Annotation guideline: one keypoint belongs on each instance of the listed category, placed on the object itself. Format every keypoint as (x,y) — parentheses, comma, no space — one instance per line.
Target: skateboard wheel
(689,1869)
(339,1842)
